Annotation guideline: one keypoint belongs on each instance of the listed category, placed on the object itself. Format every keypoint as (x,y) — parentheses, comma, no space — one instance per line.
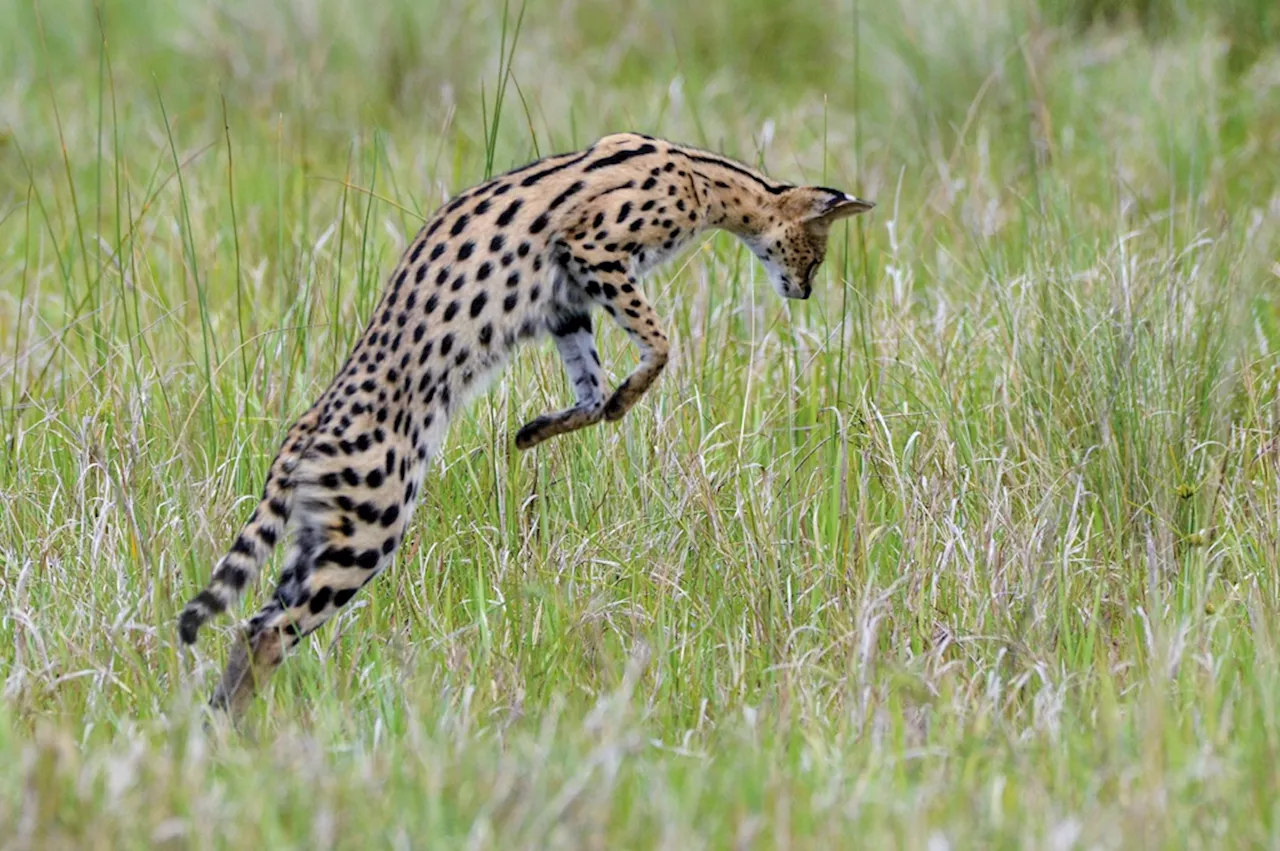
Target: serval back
(530,252)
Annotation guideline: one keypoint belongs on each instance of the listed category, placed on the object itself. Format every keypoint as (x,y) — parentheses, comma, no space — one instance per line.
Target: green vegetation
(977,547)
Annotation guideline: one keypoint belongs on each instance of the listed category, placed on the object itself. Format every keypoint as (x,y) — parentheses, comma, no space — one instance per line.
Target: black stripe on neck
(771,188)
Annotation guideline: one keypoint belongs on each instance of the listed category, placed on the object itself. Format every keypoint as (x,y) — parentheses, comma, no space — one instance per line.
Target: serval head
(792,242)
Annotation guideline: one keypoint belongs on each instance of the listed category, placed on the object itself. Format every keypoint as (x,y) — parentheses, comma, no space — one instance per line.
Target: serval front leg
(577,347)
(620,295)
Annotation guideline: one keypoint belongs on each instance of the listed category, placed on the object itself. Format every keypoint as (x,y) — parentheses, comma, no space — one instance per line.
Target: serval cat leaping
(530,252)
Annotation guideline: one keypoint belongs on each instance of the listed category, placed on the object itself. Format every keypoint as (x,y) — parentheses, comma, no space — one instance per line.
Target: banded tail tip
(189,624)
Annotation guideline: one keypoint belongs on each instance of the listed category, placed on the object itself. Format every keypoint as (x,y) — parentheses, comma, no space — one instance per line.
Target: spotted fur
(527,253)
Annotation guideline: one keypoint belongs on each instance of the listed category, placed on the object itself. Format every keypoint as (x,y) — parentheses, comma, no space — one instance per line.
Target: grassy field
(976,548)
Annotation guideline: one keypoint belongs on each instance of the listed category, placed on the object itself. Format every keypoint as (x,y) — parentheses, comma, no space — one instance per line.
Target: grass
(977,547)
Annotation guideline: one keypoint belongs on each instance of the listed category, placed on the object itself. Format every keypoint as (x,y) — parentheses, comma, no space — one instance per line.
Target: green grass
(976,548)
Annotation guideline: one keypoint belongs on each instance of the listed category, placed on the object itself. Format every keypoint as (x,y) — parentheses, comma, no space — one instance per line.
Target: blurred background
(904,86)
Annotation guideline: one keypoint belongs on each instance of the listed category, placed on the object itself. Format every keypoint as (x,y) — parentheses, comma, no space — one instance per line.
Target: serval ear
(819,206)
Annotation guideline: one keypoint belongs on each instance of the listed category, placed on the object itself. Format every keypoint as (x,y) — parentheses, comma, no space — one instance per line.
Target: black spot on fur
(341,556)
(568,193)
(508,214)
(572,324)
(538,175)
(620,156)
(321,599)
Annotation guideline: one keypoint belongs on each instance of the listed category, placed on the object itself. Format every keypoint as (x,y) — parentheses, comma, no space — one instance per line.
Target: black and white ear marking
(839,204)
(819,206)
